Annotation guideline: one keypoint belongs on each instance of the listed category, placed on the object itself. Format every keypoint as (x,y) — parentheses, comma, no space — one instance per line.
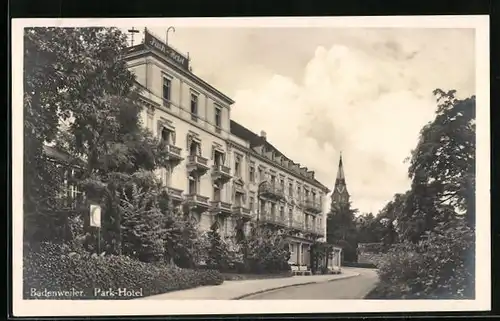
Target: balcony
(175,194)
(242,212)
(198,202)
(221,173)
(220,208)
(274,220)
(197,164)
(174,154)
(296,226)
(312,206)
(272,191)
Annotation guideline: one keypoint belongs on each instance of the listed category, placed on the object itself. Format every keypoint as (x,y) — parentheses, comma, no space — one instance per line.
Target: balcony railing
(219,207)
(312,206)
(174,193)
(272,190)
(197,163)
(221,173)
(174,152)
(197,200)
(241,211)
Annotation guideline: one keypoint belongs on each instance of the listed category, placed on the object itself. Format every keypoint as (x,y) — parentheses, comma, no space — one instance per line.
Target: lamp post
(168,29)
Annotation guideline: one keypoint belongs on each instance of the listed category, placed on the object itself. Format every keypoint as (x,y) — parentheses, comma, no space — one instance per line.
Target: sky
(317,92)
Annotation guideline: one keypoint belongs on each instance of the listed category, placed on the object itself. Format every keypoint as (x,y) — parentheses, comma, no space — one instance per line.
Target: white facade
(217,165)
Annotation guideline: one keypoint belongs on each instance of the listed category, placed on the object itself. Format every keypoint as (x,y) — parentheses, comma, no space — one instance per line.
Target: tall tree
(76,75)
(341,230)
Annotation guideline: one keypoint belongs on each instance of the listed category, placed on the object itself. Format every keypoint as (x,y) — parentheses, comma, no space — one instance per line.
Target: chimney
(263,134)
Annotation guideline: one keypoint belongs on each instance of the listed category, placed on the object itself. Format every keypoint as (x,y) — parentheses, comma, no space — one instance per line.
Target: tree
(76,75)
(435,219)
(341,230)
(370,229)
(442,166)
(218,253)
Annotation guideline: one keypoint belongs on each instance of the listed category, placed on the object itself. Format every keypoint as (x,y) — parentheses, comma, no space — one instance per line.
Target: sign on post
(95,215)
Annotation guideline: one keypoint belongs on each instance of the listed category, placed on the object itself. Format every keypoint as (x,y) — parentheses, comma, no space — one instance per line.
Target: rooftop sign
(158,45)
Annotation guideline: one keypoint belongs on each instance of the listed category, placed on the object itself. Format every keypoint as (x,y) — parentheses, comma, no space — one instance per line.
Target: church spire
(340,196)
(340,172)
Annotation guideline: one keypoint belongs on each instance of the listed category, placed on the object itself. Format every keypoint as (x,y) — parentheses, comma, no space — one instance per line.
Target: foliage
(142,230)
(370,230)
(439,267)
(341,230)
(434,221)
(218,253)
(56,268)
(442,166)
(80,95)
(360,265)
(266,252)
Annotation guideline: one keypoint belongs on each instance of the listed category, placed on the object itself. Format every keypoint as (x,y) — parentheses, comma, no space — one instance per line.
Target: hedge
(359,265)
(53,272)
(439,267)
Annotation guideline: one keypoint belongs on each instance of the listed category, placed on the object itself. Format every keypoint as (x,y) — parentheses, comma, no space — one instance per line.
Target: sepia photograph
(291,161)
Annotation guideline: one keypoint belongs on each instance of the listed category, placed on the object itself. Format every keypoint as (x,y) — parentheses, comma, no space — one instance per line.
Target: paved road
(352,288)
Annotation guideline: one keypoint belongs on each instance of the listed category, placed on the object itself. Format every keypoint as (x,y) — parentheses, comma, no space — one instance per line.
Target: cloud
(319,91)
(370,105)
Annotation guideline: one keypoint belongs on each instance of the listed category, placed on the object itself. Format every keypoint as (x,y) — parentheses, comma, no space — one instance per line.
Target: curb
(291,285)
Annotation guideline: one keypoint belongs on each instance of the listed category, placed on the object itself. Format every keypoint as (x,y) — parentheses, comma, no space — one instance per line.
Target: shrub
(360,265)
(439,267)
(55,268)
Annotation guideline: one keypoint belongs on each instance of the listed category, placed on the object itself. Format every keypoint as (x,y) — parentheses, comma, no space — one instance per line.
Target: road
(352,288)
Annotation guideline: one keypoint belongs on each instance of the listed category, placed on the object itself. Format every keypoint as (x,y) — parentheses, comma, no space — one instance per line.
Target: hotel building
(227,174)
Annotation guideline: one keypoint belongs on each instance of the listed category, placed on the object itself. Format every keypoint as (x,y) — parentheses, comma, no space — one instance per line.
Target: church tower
(340,196)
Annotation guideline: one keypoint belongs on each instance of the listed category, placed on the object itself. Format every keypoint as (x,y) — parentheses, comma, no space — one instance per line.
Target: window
(218,118)
(261,174)
(194,107)
(237,167)
(238,199)
(252,201)
(282,213)
(167,89)
(298,192)
(273,210)
(263,207)
(165,136)
(217,193)
(194,149)
(290,189)
(290,215)
(218,159)
(252,174)
(193,185)
(273,179)
(314,196)
(282,183)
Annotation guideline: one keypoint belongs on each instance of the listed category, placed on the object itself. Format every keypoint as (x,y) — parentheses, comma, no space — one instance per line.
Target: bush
(360,265)
(439,267)
(55,268)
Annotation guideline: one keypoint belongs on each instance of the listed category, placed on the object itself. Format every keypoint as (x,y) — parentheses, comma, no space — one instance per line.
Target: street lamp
(168,29)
